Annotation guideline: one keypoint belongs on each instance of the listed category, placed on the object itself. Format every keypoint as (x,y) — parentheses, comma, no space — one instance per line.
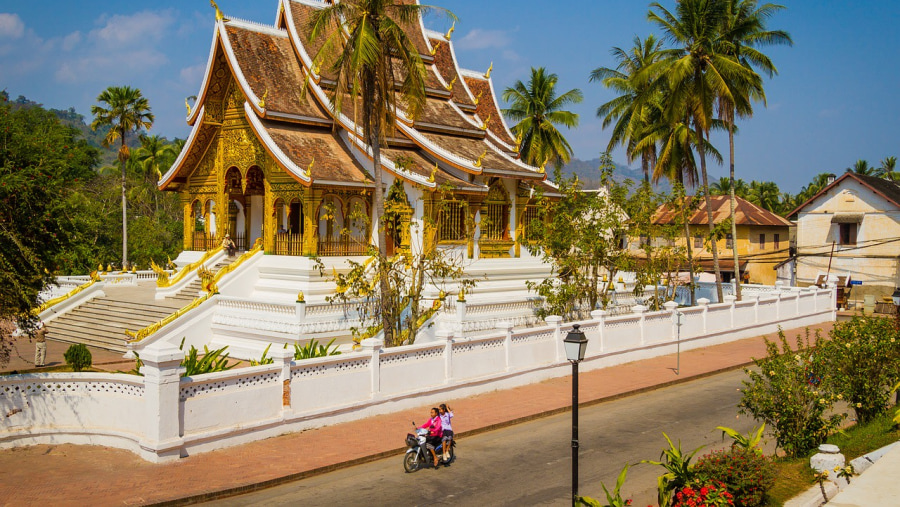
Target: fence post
(446,335)
(284,356)
(461,316)
(162,395)
(556,322)
(705,304)
(600,315)
(640,310)
(671,307)
(507,342)
(777,293)
(730,299)
(301,311)
(373,347)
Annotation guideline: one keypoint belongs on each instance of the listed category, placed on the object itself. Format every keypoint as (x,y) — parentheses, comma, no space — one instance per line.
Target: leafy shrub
(78,357)
(679,472)
(862,358)
(747,475)
(312,349)
(265,359)
(212,361)
(786,394)
(703,493)
(613,499)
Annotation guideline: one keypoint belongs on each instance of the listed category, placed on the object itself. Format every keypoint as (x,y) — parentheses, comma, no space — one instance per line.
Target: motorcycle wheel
(410,462)
(452,456)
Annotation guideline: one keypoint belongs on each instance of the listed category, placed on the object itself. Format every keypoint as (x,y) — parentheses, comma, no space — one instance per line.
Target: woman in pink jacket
(435,432)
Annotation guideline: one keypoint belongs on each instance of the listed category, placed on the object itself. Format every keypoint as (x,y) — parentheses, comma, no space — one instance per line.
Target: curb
(277,481)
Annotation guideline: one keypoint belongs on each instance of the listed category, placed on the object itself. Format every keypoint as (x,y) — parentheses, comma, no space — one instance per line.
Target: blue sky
(835,100)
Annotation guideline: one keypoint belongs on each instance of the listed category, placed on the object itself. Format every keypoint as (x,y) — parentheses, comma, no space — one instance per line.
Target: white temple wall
(162,417)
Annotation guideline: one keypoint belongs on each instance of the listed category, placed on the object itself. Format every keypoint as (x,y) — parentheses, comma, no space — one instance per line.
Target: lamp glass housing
(575,344)
(896,296)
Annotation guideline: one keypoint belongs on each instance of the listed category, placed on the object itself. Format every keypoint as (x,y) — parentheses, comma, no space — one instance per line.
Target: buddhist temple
(270,159)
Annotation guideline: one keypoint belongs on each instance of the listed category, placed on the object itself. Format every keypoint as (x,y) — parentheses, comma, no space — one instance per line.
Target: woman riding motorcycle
(435,433)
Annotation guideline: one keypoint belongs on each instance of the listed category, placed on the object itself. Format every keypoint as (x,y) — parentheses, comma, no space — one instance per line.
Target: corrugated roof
(745,213)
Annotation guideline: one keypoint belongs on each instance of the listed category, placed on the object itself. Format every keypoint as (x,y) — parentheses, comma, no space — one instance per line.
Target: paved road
(529,464)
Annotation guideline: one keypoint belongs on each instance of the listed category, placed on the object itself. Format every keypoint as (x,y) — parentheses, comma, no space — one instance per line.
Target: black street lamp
(575,344)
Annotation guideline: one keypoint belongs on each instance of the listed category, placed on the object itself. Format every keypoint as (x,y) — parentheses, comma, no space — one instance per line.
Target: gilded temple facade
(269,159)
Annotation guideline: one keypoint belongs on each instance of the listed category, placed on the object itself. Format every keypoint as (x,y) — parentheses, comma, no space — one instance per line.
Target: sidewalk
(70,474)
(21,357)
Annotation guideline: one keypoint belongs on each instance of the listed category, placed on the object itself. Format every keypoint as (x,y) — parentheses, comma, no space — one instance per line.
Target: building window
(644,241)
(762,241)
(729,241)
(452,221)
(776,241)
(698,242)
(531,222)
(848,234)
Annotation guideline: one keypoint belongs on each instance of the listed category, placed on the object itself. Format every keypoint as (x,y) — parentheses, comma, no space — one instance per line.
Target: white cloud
(192,76)
(139,28)
(484,39)
(11,26)
(70,41)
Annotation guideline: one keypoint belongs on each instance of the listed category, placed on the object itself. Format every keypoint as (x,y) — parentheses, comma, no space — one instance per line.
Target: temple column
(519,213)
(310,202)
(189,220)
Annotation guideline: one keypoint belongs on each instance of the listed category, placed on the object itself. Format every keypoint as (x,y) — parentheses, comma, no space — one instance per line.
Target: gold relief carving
(235,98)
(286,187)
(213,112)
(203,190)
(240,148)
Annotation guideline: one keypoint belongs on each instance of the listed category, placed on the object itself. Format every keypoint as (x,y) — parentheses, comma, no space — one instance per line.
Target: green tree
(764,194)
(126,110)
(888,169)
(698,73)
(41,160)
(537,110)
(861,167)
(743,32)
(638,104)
(365,49)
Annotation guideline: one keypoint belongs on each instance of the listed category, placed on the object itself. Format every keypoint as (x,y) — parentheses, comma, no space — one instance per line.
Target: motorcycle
(418,456)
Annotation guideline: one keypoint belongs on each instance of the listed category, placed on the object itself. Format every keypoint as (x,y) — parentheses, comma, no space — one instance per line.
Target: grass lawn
(795,476)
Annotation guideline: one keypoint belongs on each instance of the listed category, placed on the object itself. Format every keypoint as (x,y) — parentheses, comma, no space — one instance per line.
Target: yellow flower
(771,372)
(822,401)
(837,468)
(840,397)
(859,405)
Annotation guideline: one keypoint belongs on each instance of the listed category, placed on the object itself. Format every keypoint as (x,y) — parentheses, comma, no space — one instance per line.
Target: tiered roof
(460,131)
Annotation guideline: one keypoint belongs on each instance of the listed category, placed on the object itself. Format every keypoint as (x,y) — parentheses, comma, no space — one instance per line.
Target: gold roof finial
(478,97)
(484,125)
(435,48)
(487,75)
(262,100)
(219,15)
(434,171)
(187,105)
(480,159)
(543,168)
(309,168)
(450,31)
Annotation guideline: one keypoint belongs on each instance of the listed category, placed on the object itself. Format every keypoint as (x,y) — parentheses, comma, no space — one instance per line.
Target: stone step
(129,306)
(88,336)
(133,322)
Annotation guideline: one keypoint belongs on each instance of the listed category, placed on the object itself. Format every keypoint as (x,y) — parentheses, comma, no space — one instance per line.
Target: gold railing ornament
(480,159)
(442,295)
(450,31)
(487,75)
(60,299)
(139,335)
(176,277)
(461,297)
(162,276)
(95,276)
(300,297)
(108,268)
(257,247)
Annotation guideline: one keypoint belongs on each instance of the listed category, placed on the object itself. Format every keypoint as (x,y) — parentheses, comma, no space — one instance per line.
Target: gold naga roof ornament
(543,168)
(478,97)
(435,48)
(219,15)
(487,75)
(309,168)
(449,87)
(262,100)
(484,126)
(434,171)
(450,31)
(187,105)
(480,159)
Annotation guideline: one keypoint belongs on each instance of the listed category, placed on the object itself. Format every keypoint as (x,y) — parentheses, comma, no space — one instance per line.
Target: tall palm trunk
(701,150)
(122,158)
(734,249)
(687,240)
(387,322)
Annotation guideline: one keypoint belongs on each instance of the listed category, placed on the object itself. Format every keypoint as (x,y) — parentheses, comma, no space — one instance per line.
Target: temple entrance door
(296,219)
(255,219)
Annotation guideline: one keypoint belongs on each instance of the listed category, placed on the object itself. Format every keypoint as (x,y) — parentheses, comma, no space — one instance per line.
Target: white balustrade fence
(161,416)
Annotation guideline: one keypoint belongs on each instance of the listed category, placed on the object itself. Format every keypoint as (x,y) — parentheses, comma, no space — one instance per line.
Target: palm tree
(765,195)
(698,73)
(538,110)
(152,155)
(633,110)
(127,110)
(861,167)
(366,50)
(743,31)
(888,169)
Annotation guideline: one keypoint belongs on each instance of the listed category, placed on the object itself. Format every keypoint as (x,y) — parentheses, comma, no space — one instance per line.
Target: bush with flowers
(786,394)
(746,473)
(699,493)
(863,362)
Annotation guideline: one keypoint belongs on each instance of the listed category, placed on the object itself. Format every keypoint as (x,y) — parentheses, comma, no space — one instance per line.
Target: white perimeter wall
(161,417)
